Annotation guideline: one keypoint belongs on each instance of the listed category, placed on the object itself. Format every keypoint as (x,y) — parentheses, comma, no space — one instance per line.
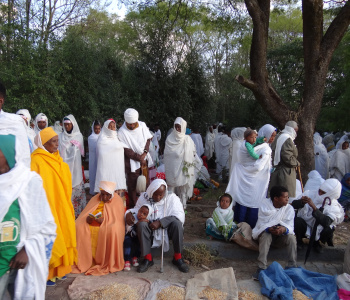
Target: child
(251,141)
(221,225)
(131,242)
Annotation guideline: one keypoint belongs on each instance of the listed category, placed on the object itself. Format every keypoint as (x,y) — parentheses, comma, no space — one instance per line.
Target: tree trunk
(318,50)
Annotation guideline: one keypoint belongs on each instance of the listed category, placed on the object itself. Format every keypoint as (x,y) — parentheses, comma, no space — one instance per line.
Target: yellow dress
(58,186)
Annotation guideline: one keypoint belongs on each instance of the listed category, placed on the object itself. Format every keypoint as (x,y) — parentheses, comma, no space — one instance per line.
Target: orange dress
(109,257)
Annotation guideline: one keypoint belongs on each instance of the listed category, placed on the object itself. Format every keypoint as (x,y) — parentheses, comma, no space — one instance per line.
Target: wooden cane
(301,180)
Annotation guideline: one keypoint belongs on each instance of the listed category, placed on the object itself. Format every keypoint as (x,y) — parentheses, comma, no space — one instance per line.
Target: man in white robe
(198,141)
(275,227)
(222,150)
(168,216)
(137,138)
(209,143)
(321,157)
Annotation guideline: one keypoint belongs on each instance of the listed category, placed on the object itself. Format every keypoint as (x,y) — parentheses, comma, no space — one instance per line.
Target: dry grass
(199,254)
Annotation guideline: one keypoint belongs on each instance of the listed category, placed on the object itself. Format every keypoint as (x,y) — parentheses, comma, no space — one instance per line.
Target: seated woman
(100,233)
(221,225)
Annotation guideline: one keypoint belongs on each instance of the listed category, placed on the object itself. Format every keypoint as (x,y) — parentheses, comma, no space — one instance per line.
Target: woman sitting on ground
(100,233)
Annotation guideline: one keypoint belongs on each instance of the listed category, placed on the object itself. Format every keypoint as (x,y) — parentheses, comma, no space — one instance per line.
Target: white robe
(250,178)
(30,132)
(321,157)
(110,159)
(92,142)
(237,136)
(270,216)
(136,141)
(222,150)
(209,145)
(71,148)
(198,141)
(38,228)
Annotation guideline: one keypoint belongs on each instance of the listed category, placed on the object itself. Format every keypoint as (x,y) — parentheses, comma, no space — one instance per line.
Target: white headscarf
(110,158)
(24,113)
(180,152)
(340,143)
(287,133)
(71,147)
(58,128)
(135,139)
(40,117)
(131,115)
(266,131)
(314,181)
(108,186)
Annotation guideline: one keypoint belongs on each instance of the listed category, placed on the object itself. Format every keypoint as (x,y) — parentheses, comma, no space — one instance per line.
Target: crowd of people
(48,228)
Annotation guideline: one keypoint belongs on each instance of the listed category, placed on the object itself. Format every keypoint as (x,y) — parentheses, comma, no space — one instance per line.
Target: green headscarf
(7,147)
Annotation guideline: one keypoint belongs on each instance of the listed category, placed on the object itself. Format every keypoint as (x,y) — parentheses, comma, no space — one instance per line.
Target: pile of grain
(297,295)
(247,295)
(172,292)
(112,292)
(198,254)
(212,294)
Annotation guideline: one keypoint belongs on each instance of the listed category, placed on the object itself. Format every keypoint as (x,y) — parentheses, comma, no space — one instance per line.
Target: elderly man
(137,138)
(275,227)
(323,207)
(168,215)
(285,159)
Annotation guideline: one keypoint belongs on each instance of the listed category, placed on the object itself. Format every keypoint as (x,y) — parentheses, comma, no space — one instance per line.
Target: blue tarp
(278,283)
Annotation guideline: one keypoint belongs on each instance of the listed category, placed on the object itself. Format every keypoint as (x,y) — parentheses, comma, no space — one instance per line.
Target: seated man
(169,215)
(331,215)
(275,227)
(100,233)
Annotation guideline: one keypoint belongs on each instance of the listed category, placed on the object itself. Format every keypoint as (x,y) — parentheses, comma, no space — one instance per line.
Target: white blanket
(92,142)
(270,216)
(136,141)
(250,178)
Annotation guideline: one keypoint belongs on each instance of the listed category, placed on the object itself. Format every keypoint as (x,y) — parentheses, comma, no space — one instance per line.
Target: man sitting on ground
(331,215)
(275,227)
(169,215)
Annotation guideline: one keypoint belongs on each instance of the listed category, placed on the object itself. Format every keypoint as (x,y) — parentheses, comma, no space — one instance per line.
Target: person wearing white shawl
(168,215)
(285,159)
(314,181)
(110,158)
(275,227)
(179,161)
(198,141)
(340,161)
(14,124)
(237,136)
(309,212)
(209,143)
(57,127)
(222,150)
(24,113)
(221,225)
(321,156)
(26,215)
(92,143)
(71,149)
(41,121)
(136,138)
(248,183)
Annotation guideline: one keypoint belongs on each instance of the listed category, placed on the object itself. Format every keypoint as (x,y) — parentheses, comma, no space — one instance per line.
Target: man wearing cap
(137,138)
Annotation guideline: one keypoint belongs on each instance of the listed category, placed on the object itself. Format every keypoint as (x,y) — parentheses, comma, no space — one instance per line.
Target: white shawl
(170,205)
(37,119)
(237,136)
(314,181)
(92,142)
(332,187)
(339,163)
(38,228)
(223,147)
(197,139)
(270,216)
(179,158)
(250,178)
(71,148)
(136,141)
(209,144)
(110,159)
(266,131)
(321,157)
(30,132)
(58,128)
(287,133)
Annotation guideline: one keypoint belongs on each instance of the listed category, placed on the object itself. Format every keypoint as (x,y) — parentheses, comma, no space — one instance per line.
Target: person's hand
(100,220)
(143,156)
(20,260)
(312,205)
(129,219)
(277,230)
(305,199)
(155,225)
(260,156)
(89,219)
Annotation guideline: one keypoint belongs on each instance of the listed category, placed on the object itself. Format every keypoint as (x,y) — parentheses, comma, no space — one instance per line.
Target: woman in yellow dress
(47,162)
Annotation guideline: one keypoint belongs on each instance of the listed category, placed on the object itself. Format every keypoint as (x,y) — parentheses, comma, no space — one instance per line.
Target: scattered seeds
(212,294)
(199,254)
(112,292)
(297,295)
(172,292)
(247,295)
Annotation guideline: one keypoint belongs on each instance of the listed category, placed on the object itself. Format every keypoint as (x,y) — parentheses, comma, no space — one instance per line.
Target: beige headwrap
(108,186)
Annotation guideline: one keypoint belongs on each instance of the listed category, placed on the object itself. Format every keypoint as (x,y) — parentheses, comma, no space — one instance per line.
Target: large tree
(318,48)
